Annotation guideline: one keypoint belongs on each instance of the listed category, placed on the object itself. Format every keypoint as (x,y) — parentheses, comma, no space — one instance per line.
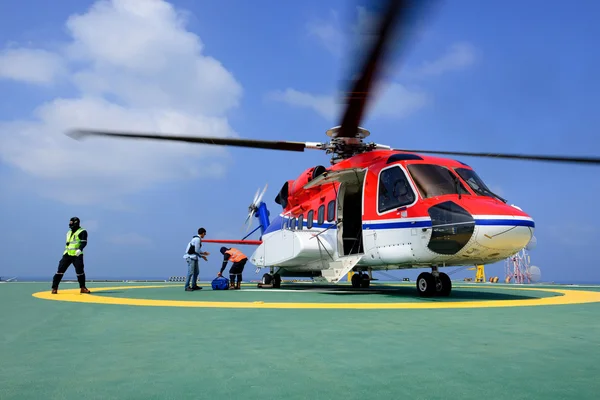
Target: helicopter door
(349,207)
(349,210)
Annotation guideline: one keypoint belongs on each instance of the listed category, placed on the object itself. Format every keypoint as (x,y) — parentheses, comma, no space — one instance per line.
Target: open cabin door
(349,207)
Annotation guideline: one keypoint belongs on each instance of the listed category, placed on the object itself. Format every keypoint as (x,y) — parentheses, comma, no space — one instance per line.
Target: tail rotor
(254,206)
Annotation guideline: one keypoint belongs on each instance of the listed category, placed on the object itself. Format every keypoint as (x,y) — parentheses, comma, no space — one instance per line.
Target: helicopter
(376,207)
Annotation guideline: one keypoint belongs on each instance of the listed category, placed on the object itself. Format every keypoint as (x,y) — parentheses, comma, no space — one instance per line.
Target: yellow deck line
(73,295)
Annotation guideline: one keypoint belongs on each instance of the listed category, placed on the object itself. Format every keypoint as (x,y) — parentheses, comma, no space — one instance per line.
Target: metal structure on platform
(518,268)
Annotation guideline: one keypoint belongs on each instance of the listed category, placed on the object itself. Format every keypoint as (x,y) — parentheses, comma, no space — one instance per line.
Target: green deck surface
(64,350)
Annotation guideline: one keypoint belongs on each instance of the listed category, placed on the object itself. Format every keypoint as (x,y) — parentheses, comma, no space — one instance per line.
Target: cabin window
(293,223)
(331,211)
(321,214)
(435,180)
(475,182)
(394,190)
(309,219)
(300,221)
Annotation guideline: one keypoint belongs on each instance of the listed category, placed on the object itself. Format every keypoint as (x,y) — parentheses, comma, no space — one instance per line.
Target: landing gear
(434,283)
(361,280)
(268,280)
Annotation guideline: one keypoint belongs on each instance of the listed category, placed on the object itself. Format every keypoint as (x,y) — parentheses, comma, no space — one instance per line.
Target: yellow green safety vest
(73,242)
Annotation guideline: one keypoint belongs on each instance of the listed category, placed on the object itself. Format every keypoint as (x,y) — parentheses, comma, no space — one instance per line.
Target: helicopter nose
(479,236)
(504,234)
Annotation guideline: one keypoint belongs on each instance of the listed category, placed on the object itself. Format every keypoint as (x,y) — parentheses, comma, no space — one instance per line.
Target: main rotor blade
(528,157)
(360,91)
(252,143)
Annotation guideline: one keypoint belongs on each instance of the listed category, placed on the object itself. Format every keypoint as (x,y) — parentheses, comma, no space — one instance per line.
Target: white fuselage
(390,244)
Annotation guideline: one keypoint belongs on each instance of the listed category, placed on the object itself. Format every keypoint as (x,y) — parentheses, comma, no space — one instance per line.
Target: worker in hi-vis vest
(238,260)
(73,254)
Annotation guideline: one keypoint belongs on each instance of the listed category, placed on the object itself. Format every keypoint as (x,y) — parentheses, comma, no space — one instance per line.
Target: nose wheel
(430,284)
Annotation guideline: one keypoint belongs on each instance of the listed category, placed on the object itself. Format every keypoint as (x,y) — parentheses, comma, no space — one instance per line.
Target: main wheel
(426,284)
(356,280)
(443,285)
(276,281)
(365,281)
(267,279)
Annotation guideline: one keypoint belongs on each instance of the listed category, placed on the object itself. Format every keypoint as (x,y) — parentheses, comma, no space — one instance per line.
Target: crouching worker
(238,260)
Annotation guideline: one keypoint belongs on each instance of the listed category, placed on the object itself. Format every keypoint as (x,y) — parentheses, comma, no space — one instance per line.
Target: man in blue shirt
(192,256)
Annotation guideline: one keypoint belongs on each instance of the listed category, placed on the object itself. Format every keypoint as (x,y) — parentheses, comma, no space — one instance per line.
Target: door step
(340,267)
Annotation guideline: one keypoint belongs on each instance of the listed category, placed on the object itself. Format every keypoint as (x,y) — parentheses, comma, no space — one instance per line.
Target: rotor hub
(346,147)
(361,133)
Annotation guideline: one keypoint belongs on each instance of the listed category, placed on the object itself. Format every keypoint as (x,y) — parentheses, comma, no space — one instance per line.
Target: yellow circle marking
(73,295)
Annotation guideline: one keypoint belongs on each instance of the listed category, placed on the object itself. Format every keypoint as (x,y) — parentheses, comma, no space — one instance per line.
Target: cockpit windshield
(435,180)
(476,183)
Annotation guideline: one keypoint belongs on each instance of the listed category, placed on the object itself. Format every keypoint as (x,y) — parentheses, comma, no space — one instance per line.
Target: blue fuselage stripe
(278,221)
(505,222)
(398,225)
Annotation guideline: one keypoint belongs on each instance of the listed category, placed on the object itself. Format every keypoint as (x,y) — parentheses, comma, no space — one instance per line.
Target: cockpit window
(476,183)
(435,180)
(394,190)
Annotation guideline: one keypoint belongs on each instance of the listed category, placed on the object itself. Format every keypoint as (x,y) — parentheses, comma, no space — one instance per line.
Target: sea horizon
(4,278)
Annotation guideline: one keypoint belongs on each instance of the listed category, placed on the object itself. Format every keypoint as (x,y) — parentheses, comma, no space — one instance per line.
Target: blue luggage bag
(220,283)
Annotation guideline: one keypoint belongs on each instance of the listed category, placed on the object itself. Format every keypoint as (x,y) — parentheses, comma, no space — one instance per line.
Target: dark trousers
(236,271)
(64,264)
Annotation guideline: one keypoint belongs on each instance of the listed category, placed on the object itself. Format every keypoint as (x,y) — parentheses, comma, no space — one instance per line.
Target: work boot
(231,285)
(238,285)
(84,290)
(54,291)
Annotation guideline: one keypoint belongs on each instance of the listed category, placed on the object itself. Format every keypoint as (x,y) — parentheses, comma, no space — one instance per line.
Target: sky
(494,76)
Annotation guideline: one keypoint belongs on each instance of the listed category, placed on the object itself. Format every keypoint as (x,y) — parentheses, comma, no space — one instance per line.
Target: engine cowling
(304,178)
(292,192)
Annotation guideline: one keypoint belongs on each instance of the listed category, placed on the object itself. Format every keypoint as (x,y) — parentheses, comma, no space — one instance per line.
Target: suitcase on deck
(220,283)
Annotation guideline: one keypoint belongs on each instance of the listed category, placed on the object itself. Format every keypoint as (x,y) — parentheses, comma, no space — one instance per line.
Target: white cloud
(398,101)
(458,56)
(322,104)
(395,101)
(330,34)
(327,33)
(31,66)
(136,67)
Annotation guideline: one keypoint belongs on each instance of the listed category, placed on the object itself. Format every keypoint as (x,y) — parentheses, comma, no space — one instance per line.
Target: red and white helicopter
(375,207)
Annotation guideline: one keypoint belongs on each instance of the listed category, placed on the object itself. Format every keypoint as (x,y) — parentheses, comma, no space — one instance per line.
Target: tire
(426,284)
(365,282)
(356,281)
(267,279)
(276,281)
(446,285)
